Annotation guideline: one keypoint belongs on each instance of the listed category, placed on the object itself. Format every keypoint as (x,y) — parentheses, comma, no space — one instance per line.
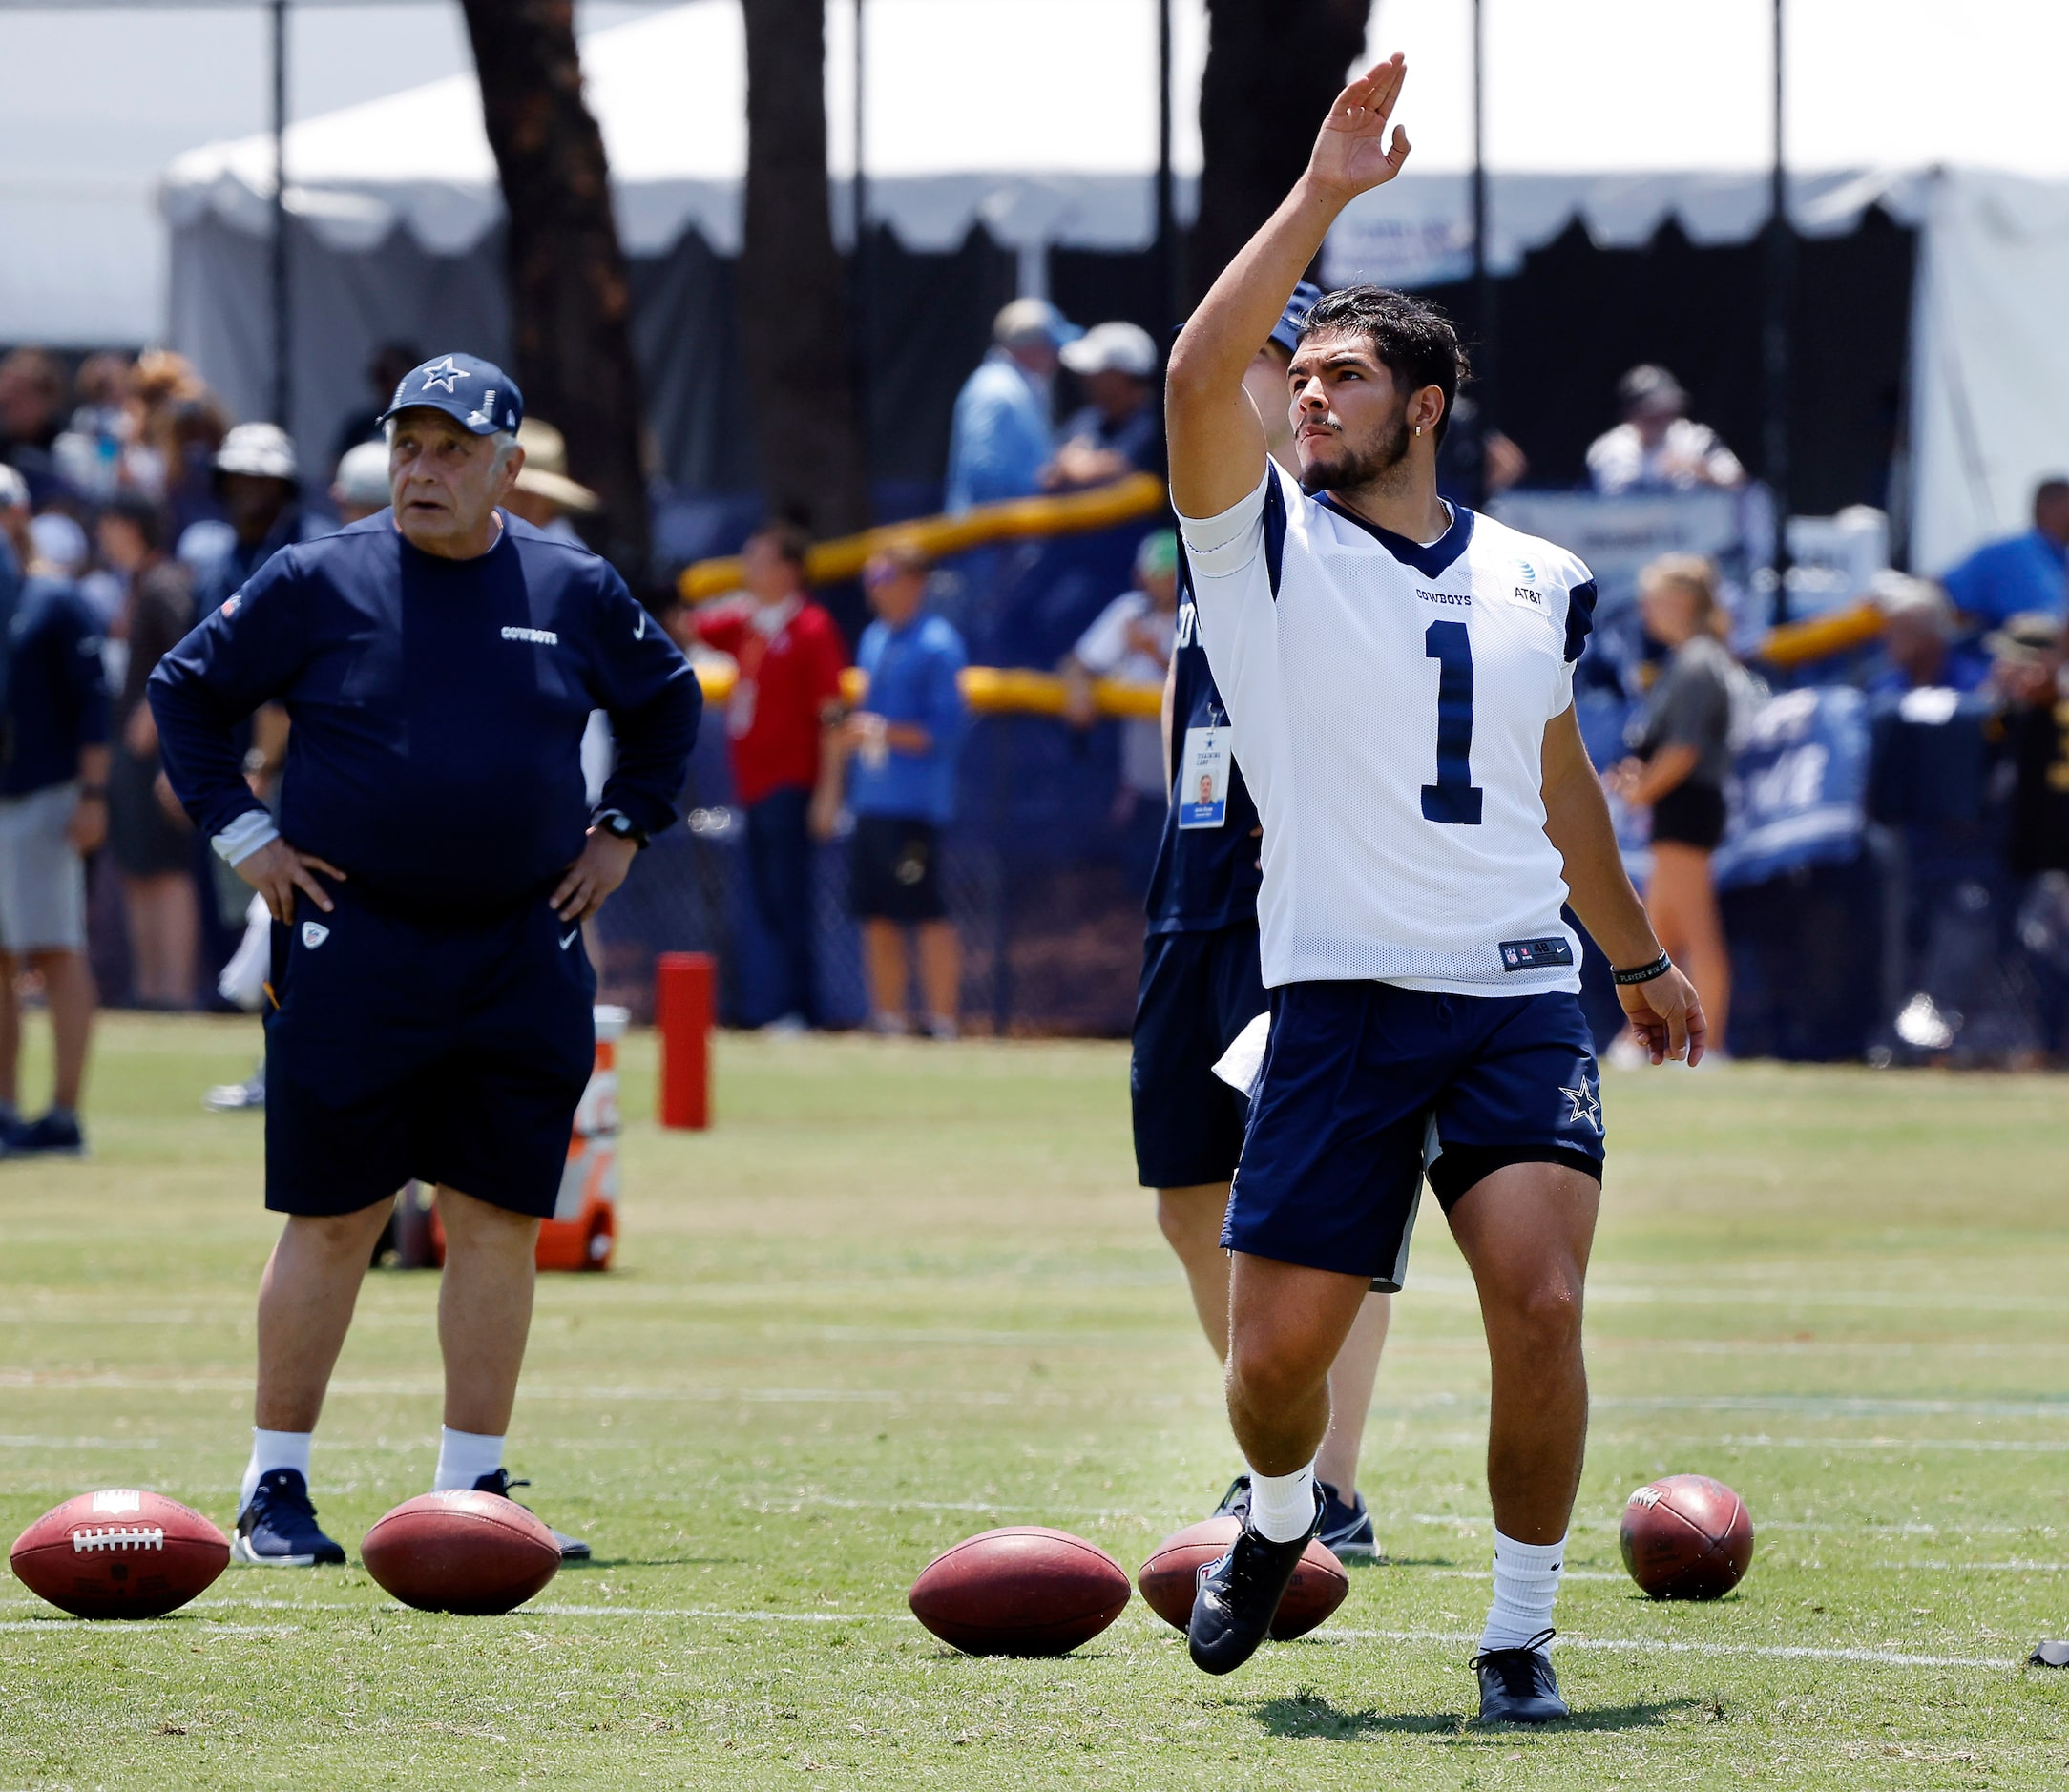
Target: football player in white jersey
(1399,675)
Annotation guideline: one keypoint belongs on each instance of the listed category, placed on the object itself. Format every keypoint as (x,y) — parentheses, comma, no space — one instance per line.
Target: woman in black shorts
(1682,748)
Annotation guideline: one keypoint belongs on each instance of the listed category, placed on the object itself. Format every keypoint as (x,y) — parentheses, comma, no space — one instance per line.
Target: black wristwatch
(621,826)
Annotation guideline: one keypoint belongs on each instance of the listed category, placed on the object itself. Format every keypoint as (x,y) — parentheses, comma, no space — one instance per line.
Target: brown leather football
(122,1553)
(1024,1590)
(1318,1587)
(1686,1537)
(464,1552)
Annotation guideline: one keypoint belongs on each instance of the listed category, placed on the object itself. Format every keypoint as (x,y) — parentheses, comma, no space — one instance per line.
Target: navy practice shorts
(894,869)
(1198,991)
(450,1050)
(1365,1082)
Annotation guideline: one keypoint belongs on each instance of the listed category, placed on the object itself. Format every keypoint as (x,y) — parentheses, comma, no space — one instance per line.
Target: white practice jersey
(1388,703)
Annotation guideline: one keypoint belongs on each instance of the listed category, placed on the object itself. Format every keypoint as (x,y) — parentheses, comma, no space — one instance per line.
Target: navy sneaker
(1236,1502)
(279,1527)
(1347,1529)
(1517,1685)
(571,1548)
(1236,1598)
(57,1134)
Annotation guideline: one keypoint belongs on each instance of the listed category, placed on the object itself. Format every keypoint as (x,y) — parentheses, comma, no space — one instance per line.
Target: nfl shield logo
(314,933)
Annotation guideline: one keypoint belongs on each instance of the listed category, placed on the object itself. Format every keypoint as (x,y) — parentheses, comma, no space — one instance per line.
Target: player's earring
(1418,428)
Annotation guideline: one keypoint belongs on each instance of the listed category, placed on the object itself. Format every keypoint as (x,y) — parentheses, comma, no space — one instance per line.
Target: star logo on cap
(443,376)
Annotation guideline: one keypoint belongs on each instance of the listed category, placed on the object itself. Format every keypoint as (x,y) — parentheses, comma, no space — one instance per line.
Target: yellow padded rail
(1819,637)
(1014,519)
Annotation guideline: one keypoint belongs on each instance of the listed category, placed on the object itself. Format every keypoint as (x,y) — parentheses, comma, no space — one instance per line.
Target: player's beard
(1376,466)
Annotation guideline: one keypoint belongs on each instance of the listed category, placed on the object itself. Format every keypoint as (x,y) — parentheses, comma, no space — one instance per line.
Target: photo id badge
(1204,778)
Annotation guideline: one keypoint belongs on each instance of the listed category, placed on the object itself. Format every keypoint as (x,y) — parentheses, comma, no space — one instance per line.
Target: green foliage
(903,1292)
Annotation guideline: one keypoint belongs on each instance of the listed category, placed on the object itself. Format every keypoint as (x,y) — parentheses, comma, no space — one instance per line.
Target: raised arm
(1217,442)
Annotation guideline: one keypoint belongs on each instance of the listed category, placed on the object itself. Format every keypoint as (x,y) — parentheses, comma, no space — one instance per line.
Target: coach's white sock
(464,1457)
(1526,1583)
(1282,1505)
(271,1450)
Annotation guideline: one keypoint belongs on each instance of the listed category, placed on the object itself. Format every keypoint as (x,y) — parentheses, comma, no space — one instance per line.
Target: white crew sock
(1282,1505)
(271,1450)
(1526,1583)
(464,1457)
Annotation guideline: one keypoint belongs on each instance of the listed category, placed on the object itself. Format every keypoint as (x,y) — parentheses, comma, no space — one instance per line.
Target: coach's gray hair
(502,440)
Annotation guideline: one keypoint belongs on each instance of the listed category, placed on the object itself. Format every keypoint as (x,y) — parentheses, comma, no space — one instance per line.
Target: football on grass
(1686,1537)
(1167,1579)
(122,1553)
(464,1552)
(1022,1590)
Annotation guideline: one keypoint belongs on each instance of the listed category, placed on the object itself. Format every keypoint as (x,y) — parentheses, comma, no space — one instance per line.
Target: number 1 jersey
(1388,703)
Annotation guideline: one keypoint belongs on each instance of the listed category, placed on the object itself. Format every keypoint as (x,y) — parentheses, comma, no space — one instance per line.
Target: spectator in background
(385,372)
(1001,437)
(780,728)
(175,427)
(2026,668)
(1681,763)
(1917,639)
(89,454)
(1120,430)
(33,397)
(258,484)
(1131,640)
(2023,573)
(902,749)
(152,846)
(361,488)
(546,496)
(53,815)
(1659,446)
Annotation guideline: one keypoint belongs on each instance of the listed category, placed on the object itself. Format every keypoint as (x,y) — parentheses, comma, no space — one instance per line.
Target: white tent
(1036,119)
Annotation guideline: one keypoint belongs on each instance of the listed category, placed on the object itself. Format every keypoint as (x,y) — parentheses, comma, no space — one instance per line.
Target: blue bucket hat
(476,394)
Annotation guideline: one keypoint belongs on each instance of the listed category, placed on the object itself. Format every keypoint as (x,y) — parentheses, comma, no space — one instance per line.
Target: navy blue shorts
(451,1051)
(1366,1084)
(1198,991)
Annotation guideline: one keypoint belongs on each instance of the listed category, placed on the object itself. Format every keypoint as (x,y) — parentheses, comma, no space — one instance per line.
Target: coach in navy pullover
(438,710)
(431,868)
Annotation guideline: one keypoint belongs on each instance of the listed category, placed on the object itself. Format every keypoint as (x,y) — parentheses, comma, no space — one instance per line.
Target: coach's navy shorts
(1198,991)
(1363,1083)
(450,1051)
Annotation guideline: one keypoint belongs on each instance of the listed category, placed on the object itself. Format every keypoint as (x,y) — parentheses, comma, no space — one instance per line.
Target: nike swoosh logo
(568,939)
(640,633)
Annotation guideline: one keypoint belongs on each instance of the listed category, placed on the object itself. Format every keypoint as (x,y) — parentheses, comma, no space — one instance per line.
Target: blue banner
(1799,787)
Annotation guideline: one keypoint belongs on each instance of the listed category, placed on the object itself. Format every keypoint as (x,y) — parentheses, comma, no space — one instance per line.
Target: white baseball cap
(363,475)
(1032,320)
(1115,347)
(264,451)
(13,489)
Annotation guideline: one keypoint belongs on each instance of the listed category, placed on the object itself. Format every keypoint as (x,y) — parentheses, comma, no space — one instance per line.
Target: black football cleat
(1236,1598)
(1236,1502)
(571,1548)
(2049,1654)
(1346,1530)
(1517,1685)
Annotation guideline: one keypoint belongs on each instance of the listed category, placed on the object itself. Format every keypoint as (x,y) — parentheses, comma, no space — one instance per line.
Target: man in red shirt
(790,656)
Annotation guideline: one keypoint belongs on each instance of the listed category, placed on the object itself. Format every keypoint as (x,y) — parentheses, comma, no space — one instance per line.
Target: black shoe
(1517,1685)
(57,1134)
(1236,1502)
(571,1548)
(279,1528)
(1236,1598)
(2049,1654)
(1347,1530)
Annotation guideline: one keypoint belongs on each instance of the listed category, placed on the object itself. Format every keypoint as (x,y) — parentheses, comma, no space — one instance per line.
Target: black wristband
(1645,973)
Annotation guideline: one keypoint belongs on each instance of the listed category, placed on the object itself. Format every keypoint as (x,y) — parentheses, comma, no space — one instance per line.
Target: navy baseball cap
(476,394)
(1293,320)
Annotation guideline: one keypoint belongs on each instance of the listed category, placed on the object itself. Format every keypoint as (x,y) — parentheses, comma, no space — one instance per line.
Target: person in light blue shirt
(901,750)
(1002,437)
(2022,573)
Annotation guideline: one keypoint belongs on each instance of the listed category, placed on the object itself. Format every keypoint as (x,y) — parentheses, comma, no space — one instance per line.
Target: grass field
(902,1292)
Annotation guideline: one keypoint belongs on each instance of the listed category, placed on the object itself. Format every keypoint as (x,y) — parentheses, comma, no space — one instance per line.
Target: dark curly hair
(1414,341)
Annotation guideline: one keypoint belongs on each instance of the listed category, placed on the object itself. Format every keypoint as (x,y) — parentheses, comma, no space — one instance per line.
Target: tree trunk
(1273,66)
(570,301)
(792,290)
